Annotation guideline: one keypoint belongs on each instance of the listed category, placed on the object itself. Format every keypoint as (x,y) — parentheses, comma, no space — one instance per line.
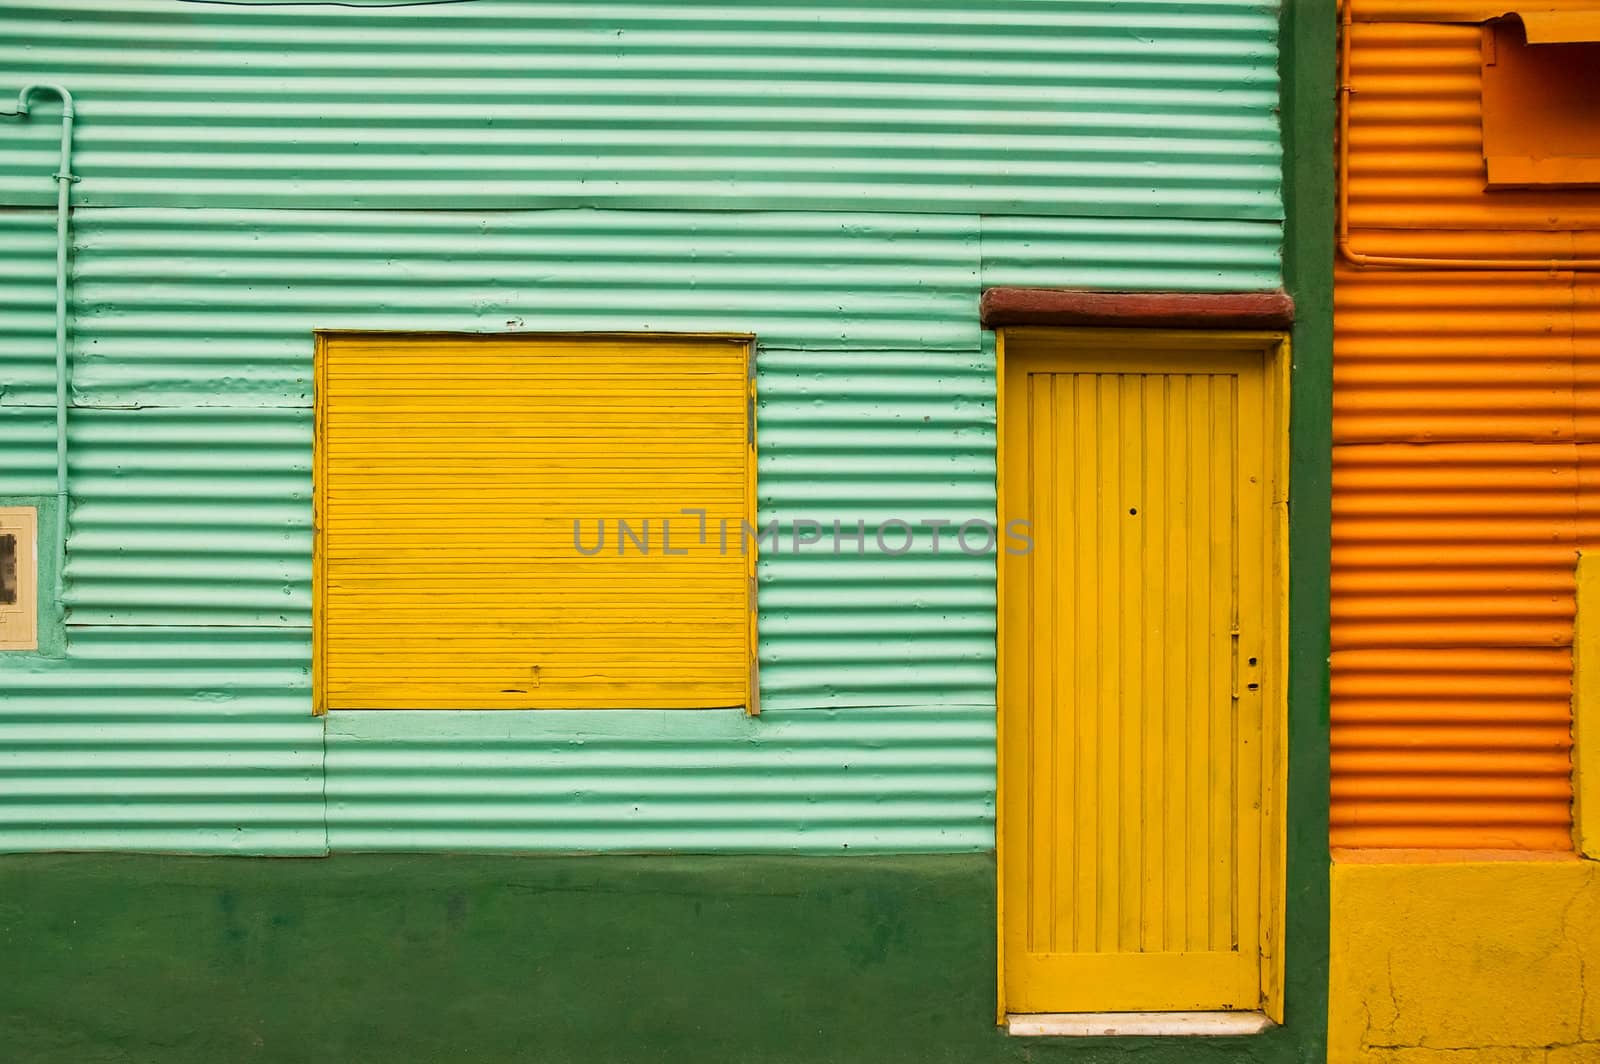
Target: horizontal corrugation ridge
(1416,139)
(214,307)
(1464,412)
(1452,747)
(1453,545)
(1054,107)
(198,740)
(887,778)
(876,388)
(199,307)
(27,313)
(1130,254)
(1434,356)
(201,740)
(190,516)
(861,439)
(1457,510)
(27,450)
(202,516)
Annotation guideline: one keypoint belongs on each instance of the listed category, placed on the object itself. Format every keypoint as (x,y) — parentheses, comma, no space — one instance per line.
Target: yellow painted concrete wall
(1477,962)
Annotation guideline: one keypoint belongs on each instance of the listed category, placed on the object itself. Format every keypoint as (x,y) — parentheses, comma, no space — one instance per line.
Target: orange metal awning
(1547,22)
(1561,27)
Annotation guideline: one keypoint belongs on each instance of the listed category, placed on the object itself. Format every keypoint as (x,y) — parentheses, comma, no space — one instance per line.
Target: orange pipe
(1356,258)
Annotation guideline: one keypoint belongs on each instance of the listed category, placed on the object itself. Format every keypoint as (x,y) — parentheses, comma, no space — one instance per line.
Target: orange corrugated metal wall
(1466,463)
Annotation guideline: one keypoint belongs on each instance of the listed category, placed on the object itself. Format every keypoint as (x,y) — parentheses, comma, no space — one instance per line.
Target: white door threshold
(1125,1024)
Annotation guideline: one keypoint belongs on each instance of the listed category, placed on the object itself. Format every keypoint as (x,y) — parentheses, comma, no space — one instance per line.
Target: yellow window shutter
(501,525)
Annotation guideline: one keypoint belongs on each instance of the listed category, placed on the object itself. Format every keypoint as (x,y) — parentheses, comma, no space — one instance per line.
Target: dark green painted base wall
(436,958)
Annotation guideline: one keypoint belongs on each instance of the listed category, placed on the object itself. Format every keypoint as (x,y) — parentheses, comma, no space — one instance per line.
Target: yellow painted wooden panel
(451,471)
(19,578)
(1136,646)
(1586,710)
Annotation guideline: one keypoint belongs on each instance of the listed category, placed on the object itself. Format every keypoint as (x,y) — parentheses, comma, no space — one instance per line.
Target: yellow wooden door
(1134,661)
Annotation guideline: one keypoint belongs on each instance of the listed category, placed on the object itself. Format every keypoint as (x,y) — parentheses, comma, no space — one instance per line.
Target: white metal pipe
(64,179)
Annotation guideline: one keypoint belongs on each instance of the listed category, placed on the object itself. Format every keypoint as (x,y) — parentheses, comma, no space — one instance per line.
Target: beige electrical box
(19,578)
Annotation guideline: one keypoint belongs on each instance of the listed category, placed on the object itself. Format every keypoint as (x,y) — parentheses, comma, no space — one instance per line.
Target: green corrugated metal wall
(903,159)
(1135,108)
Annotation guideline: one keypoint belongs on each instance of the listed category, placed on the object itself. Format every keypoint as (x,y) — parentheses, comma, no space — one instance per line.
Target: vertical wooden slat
(1198,634)
(1253,618)
(1128,610)
(1107,705)
(1062,533)
(1087,686)
(1179,565)
(1043,782)
(1153,518)
(1059,529)
(1221,798)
